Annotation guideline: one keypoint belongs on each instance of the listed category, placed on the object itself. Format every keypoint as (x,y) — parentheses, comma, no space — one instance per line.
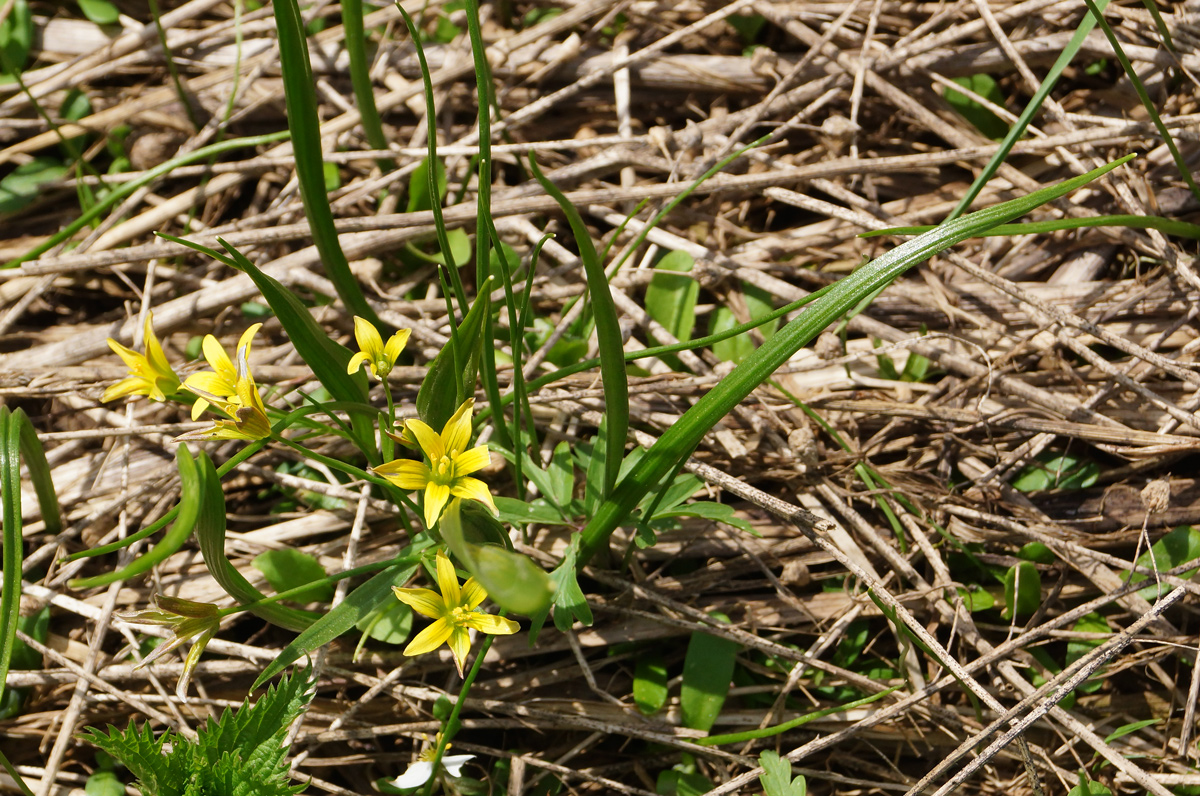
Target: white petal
(454,763)
(418,774)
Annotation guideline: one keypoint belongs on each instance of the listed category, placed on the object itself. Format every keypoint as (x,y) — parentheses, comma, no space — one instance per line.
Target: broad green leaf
(1177,547)
(976,598)
(1022,590)
(359,604)
(518,512)
(23,184)
(418,187)
(1052,471)
(101,12)
(776,778)
(16,37)
(734,349)
(650,682)
(707,674)
(75,106)
(984,120)
(288,568)
(670,299)
(686,433)
(104,783)
(1129,729)
(1088,787)
(569,603)
(390,623)
(1037,552)
(360,78)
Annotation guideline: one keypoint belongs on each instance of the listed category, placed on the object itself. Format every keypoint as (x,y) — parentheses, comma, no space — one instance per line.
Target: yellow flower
(222,379)
(450,464)
(249,416)
(150,373)
(454,612)
(187,620)
(378,357)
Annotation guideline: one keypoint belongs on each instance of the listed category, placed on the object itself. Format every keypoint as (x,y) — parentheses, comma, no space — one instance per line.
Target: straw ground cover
(901,558)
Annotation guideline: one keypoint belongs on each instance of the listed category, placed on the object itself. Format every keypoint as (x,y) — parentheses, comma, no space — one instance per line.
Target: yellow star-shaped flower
(221,381)
(149,374)
(245,408)
(455,613)
(379,358)
(450,464)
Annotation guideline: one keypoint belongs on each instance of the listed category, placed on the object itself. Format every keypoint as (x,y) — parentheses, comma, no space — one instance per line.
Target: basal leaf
(287,568)
(650,682)
(707,674)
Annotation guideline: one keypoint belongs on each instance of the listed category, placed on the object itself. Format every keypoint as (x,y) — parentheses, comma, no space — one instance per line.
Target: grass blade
(608,334)
(303,121)
(360,78)
(690,429)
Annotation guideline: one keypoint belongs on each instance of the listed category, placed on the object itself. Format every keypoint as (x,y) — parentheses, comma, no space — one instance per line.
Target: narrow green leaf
(608,334)
(360,78)
(650,682)
(359,604)
(210,532)
(519,512)
(185,521)
(451,376)
(707,674)
(683,437)
(288,569)
(299,89)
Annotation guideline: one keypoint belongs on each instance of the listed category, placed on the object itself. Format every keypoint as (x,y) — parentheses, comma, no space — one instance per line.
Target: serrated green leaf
(288,568)
(650,682)
(707,675)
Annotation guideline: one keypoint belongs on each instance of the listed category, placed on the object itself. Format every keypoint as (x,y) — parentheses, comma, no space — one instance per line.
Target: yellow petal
(495,625)
(430,638)
(218,360)
(427,438)
(436,497)
(423,601)
(473,489)
(471,461)
(447,581)
(247,338)
(132,359)
(391,352)
(211,383)
(369,341)
(405,473)
(127,386)
(460,645)
(356,362)
(473,593)
(457,432)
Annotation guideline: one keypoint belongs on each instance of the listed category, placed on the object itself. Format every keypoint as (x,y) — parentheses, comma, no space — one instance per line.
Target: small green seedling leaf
(984,120)
(776,778)
(716,512)
(518,512)
(390,623)
(333,177)
(568,602)
(1088,787)
(1052,471)
(1038,553)
(287,569)
(1022,590)
(650,682)
(707,674)
(20,187)
(75,106)
(101,12)
(671,299)
(1178,547)
(104,783)
(1079,647)
(976,598)
(16,37)
(418,188)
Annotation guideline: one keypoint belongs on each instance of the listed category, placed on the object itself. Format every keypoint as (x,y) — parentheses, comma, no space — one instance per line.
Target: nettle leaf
(707,675)
(289,568)
(140,752)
